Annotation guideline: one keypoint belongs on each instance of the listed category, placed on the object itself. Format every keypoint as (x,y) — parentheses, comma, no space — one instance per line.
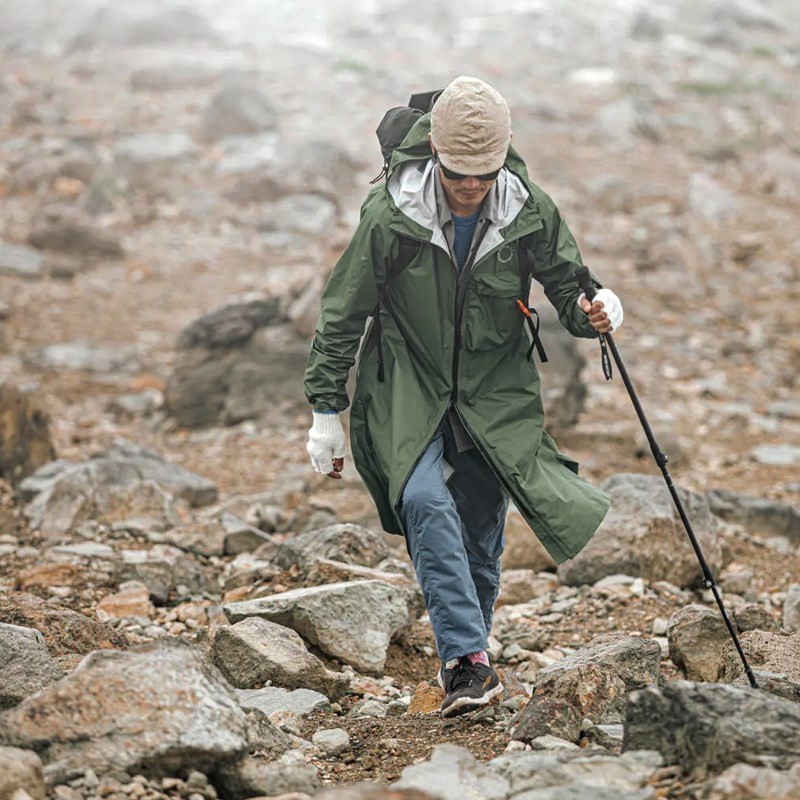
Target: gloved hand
(605,311)
(326,444)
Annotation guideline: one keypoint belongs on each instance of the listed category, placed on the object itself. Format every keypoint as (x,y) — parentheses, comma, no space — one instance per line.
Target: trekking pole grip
(589,291)
(585,282)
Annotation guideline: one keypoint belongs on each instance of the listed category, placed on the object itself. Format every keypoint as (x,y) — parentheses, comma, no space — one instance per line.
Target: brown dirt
(381,748)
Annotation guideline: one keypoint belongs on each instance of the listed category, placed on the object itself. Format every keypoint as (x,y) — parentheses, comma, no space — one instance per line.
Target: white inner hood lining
(413,189)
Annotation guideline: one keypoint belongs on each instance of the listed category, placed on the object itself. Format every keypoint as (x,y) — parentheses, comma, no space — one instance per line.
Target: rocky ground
(186,610)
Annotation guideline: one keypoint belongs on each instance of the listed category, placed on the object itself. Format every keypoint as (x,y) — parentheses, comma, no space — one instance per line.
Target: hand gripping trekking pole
(585,282)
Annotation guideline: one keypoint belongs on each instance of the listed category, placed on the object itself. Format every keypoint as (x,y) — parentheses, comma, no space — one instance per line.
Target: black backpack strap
(531,314)
(407,251)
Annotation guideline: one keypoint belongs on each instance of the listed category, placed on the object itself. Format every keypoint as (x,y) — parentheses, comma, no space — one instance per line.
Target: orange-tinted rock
(426,699)
(45,575)
(64,631)
(133,600)
(235,595)
(194,611)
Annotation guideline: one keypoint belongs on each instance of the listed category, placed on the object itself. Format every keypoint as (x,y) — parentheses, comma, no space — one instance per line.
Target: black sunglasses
(457,176)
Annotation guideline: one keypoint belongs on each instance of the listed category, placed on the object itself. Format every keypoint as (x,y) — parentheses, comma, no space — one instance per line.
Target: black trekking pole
(587,287)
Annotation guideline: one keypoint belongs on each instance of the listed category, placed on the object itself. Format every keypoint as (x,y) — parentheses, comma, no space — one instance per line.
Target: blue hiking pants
(454,532)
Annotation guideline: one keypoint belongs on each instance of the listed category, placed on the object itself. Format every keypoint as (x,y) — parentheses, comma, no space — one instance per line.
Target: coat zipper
(460,301)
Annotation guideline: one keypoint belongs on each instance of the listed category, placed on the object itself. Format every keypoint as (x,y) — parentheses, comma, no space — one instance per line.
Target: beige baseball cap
(471,127)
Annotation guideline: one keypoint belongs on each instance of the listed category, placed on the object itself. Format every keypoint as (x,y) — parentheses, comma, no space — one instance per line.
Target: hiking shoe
(446,672)
(468,687)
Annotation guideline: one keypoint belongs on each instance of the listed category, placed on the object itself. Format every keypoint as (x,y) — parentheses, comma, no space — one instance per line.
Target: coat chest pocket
(493,318)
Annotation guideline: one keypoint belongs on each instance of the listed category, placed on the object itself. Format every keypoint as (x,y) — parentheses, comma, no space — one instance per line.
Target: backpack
(391,131)
(396,124)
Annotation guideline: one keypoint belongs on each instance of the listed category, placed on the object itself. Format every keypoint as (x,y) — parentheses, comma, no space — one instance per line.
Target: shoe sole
(466,704)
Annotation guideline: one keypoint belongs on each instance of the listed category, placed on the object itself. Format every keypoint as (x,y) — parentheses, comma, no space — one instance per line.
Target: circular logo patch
(505,254)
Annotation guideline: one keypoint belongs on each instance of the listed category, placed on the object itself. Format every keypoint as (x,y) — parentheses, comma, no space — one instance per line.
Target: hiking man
(447,421)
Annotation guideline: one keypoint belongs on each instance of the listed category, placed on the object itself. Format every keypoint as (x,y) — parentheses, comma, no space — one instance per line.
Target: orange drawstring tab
(524,309)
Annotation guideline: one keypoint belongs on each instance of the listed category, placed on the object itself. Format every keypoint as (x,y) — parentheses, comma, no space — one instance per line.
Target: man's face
(465,196)
(464,193)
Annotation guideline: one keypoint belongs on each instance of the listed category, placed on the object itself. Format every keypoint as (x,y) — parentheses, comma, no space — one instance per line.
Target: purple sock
(478,658)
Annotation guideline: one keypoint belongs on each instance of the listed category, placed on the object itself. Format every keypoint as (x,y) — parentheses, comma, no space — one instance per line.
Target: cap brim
(473,164)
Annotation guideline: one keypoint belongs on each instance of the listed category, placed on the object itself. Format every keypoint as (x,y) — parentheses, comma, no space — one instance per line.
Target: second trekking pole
(588,288)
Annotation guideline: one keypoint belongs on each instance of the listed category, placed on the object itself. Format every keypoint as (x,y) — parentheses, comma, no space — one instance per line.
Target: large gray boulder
(148,150)
(351,544)
(298,167)
(642,535)
(707,727)
(25,664)
(155,568)
(353,621)
(547,716)
(126,481)
(272,699)
(254,652)
(234,364)
(83,355)
(156,707)
(598,678)
(452,773)
(265,737)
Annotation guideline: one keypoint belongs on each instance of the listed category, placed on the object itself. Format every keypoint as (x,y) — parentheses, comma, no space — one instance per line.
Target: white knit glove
(611,305)
(326,441)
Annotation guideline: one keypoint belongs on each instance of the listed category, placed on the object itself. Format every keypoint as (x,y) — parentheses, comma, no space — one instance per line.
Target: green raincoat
(453,341)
